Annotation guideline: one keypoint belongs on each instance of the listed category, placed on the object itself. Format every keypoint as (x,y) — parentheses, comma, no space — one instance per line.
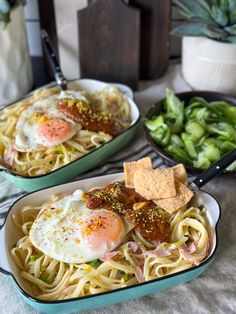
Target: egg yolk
(103,229)
(55,131)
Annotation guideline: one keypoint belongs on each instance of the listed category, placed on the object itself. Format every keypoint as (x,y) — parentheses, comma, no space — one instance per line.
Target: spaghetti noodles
(135,260)
(44,159)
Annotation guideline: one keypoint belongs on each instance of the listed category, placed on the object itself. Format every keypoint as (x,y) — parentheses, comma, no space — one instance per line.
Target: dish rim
(46,302)
(53,84)
(159,150)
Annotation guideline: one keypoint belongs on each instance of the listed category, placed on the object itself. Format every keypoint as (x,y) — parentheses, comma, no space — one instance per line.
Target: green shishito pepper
(197,133)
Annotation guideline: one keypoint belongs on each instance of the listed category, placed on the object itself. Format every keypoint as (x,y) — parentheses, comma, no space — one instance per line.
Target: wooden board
(108,33)
(154,44)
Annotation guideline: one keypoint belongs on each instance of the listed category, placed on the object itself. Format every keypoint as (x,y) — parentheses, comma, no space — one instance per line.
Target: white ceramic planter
(15,64)
(209,64)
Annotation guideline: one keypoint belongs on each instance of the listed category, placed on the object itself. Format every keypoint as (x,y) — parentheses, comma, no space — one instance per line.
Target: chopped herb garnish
(96,263)
(44,278)
(124,276)
(34,257)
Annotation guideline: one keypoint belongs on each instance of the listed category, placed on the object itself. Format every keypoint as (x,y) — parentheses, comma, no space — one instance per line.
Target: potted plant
(209,43)
(15,64)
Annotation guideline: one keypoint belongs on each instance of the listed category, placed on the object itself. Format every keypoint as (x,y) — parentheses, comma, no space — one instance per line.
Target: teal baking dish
(9,235)
(89,160)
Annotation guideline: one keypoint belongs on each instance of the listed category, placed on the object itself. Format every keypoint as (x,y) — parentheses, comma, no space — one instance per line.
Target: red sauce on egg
(141,213)
(90,120)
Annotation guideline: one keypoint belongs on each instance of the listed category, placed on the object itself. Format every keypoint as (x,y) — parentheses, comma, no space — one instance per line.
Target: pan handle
(213,171)
(52,59)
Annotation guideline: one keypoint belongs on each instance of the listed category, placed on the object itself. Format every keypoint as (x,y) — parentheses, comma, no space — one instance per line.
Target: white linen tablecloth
(214,291)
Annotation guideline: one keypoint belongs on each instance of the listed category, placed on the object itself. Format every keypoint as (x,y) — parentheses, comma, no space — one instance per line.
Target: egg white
(26,135)
(73,94)
(57,231)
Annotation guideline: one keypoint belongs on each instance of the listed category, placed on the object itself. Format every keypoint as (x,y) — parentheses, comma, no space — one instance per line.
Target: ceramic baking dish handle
(4,265)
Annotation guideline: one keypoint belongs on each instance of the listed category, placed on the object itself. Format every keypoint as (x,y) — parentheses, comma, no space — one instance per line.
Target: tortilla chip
(180,174)
(131,167)
(154,184)
(181,199)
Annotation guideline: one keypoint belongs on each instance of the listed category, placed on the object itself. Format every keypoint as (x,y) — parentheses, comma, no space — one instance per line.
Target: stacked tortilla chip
(165,187)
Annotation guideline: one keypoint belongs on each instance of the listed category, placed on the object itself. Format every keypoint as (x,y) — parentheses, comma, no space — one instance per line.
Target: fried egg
(42,124)
(70,232)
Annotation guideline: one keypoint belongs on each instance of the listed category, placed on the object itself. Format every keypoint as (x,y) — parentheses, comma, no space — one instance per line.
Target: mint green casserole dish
(90,160)
(9,234)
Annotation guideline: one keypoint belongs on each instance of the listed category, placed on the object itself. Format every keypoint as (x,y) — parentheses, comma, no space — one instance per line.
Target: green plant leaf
(231,5)
(214,33)
(1,17)
(231,29)
(223,4)
(186,14)
(231,39)
(205,5)
(219,16)
(5,19)
(194,8)
(189,29)
(232,17)
(5,9)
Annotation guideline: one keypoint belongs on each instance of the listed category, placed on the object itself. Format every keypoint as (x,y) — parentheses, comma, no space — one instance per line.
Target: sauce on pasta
(143,214)
(90,120)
